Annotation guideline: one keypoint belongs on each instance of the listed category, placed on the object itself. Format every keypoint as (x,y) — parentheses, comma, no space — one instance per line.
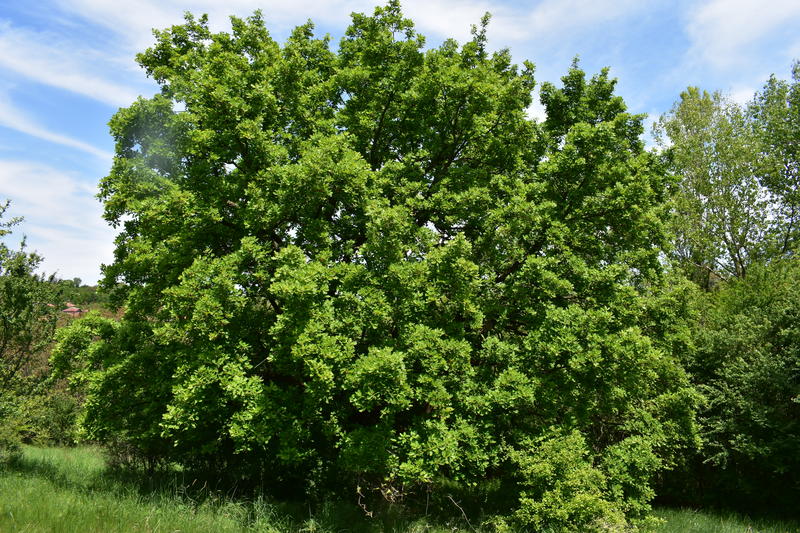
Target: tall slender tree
(776,114)
(27,321)
(27,324)
(720,210)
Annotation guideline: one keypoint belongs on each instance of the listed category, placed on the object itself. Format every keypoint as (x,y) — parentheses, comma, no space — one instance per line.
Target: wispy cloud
(554,17)
(11,117)
(135,22)
(54,61)
(455,18)
(440,18)
(724,33)
(62,219)
(547,20)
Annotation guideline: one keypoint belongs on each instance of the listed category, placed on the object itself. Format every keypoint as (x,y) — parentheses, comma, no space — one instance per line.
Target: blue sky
(67,65)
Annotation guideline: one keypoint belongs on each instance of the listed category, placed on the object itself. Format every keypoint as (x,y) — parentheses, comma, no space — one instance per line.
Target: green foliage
(736,202)
(719,206)
(50,416)
(748,367)
(735,226)
(562,490)
(10,429)
(776,119)
(26,321)
(81,295)
(26,328)
(369,267)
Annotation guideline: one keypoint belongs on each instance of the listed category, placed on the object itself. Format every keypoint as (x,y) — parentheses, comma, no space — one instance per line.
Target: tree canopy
(736,197)
(27,321)
(776,117)
(720,220)
(369,266)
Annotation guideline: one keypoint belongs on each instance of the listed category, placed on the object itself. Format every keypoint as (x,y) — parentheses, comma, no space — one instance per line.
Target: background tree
(719,207)
(776,118)
(84,296)
(26,321)
(370,266)
(745,362)
(26,329)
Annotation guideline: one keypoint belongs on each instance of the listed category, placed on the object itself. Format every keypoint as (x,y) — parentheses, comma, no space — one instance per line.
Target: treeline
(366,272)
(735,227)
(82,295)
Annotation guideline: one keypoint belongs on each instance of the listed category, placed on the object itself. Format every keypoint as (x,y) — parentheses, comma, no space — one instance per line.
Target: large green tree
(371,266)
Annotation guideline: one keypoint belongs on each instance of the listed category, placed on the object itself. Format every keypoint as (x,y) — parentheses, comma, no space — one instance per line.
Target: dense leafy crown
(371,264)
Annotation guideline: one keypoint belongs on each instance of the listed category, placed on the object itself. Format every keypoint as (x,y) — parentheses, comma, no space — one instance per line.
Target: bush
(748,366)
(10,442)
(50,417)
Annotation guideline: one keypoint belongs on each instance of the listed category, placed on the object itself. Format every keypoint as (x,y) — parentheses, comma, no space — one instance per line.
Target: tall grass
(67,490)
(693,521)
(70,490)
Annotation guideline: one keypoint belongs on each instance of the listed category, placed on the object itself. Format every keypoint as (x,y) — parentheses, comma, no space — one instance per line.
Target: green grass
(66,490)
(692,521)
(70,490)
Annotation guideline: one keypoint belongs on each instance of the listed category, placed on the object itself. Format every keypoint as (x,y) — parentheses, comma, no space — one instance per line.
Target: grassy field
(69,490)
(689,521)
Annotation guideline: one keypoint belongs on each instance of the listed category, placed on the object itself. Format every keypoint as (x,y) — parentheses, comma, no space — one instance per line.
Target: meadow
(72,490)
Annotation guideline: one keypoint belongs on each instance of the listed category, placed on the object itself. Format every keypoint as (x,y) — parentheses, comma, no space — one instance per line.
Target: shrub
(748,366)
(10,441)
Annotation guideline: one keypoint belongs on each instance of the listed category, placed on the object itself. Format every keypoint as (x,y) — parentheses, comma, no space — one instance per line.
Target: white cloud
(724,32)
(135,22)
(554,17)
(742,95)
(16,120)
(439,18)
(63,220)
(545,21)
(60,63)
(536,110)
(454,18)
